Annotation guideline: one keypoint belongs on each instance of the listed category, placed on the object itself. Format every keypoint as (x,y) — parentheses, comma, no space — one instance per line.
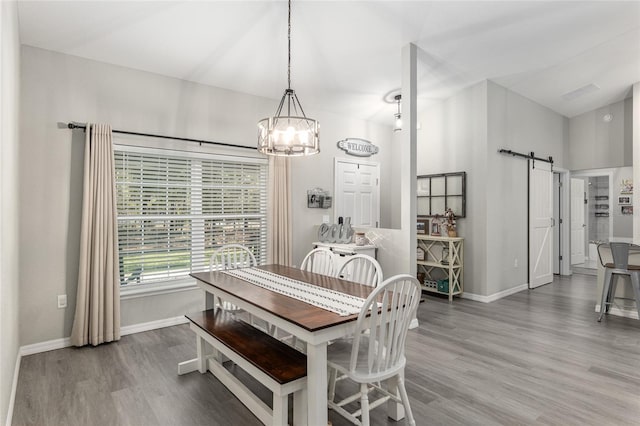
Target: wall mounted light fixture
(398,116)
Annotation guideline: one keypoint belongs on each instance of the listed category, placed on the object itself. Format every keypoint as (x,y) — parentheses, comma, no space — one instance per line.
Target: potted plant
(450,223)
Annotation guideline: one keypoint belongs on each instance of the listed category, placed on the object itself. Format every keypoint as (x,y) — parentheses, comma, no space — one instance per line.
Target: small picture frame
(422,227)
(627,210)
(435,228)
(624,200)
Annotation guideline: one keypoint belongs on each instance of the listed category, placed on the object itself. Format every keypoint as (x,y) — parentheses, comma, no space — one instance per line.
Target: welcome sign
(358,147)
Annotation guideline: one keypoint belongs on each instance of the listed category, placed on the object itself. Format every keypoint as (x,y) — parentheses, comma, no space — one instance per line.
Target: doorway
(357,189)
(591,194)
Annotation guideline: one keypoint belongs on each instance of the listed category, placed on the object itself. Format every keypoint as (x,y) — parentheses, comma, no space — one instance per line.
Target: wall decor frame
(438,192)
(318,198)
(422,227)
(624,200)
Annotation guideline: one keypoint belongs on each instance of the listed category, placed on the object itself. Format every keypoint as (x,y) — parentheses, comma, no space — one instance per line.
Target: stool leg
(635,282)
(606,285)
(612,290)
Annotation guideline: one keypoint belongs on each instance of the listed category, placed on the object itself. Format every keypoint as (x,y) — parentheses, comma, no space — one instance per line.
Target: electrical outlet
(515,263)
(62,301)
(325,218)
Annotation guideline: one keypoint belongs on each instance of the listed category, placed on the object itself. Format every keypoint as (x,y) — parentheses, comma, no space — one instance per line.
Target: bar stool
(620,266)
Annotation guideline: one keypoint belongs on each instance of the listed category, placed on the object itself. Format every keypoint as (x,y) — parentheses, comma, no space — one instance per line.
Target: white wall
(596,144)
(9,218)
(317,171)
(61,88)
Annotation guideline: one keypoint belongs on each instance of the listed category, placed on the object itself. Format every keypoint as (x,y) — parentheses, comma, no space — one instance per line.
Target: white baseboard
(152,325)
(627,313)
(51,345)
(14,387)
(495,296)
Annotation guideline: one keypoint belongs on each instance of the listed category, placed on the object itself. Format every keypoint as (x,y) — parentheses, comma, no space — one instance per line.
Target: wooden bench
(279,367)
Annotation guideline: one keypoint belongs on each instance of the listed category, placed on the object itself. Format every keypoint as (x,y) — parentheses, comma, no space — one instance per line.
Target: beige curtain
(279,235)
(97,318)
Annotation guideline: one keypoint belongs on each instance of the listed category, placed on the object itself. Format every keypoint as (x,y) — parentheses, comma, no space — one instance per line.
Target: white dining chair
(320,261)
(231,256)
(376,352)
(362,269)
(235,256)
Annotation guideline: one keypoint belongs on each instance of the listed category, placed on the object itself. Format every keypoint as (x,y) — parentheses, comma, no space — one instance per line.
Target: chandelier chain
(289,49)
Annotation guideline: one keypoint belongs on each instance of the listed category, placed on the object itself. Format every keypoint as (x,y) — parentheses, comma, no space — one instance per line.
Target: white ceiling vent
(569,96)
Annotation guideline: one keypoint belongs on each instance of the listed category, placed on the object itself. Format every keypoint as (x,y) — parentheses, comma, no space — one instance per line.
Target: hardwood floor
(536,357)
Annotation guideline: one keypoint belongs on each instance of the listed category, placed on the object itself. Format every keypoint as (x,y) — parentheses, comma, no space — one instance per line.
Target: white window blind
(175,209)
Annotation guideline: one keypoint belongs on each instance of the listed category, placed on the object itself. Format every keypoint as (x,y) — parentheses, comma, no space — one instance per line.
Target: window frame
(186,282)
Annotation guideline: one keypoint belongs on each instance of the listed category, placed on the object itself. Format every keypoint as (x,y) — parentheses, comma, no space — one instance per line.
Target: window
(175,209)
(437,193)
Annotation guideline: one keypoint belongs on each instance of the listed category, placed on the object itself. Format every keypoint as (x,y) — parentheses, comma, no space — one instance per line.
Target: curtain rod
(73,125)
(530,156)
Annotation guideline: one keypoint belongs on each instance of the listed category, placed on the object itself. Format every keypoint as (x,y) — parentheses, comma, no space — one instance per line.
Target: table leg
(317,384)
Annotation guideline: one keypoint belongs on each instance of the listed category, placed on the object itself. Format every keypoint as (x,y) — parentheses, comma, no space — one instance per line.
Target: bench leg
(300,408)
(202,354)
(280,409)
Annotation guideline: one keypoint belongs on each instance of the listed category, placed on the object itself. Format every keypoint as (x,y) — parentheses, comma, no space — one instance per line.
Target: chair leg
(364,403)
(405,401)
(606,284)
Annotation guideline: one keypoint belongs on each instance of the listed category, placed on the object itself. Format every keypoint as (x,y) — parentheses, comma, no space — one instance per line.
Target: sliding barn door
(540,223)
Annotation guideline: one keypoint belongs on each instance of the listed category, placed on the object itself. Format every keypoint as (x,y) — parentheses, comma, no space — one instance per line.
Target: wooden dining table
(313,325)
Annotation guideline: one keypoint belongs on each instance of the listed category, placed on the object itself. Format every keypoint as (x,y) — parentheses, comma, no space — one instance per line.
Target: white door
(540,223)
(577,221)
(357,192)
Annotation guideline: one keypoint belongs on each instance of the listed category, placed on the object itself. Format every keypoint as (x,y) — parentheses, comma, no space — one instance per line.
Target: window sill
(133,292)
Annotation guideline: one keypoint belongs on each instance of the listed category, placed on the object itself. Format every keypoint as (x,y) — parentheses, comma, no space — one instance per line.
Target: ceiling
(346,55)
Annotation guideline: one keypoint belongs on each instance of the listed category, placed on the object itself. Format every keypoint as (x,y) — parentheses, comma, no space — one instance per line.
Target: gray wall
(596,144)
(464,133)
(453,138)
(9,101)
(622,224)
(62,88)
(636,160)
(518,124)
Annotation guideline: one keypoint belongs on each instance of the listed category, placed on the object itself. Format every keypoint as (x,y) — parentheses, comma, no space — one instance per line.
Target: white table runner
(330,300)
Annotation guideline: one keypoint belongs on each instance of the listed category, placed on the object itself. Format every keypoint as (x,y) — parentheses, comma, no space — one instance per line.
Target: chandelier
(289,132)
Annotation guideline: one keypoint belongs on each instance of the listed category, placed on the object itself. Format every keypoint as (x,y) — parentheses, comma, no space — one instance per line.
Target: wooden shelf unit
(435,270)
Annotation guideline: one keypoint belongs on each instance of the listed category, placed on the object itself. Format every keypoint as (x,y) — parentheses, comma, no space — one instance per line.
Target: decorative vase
(452,232)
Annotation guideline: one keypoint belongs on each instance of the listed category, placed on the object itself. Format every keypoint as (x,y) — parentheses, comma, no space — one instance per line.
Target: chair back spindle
(362,269)
(231,256)
(320,261)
